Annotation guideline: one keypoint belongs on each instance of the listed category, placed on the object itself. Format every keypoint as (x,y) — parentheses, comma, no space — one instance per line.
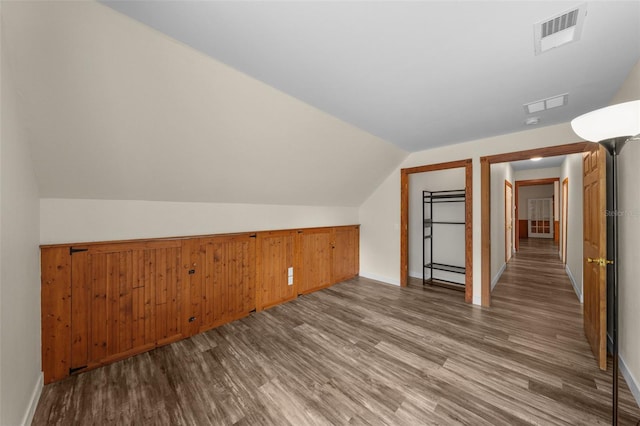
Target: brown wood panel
(229,281)
(315,260)
(556,231)
(169,314)
(485,229)
(111,301)
(523,228)
(134,300)
(595,247)
(274,255)
(193,271)
(548,151)
(345,253)
(80,303)
(56,312)
(468,220)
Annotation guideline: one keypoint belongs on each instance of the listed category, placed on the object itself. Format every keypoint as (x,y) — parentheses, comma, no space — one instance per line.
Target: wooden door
(595,247)
(315,259)
(276,279)
(228,289)
(508,220)
(345,258)
(125,300)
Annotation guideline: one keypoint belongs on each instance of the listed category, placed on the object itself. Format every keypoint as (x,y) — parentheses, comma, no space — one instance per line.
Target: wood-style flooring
(362,352)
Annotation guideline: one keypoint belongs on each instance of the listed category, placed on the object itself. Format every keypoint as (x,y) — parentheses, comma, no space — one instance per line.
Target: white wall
(65,220)
(629,245)
(449,241)
(525,193)
(572,169)
(122,112)
(380,213)
(20,363)
(499,173)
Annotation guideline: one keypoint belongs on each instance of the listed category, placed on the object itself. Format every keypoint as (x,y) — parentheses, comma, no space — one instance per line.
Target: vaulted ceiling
(309,103)
(417,74)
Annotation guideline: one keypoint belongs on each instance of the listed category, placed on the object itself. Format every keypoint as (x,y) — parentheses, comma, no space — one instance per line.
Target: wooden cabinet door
(315,255)
(228,288)
(345,259)
(275,255)
(125,300)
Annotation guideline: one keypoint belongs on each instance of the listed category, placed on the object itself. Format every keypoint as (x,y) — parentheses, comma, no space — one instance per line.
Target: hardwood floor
(361,352)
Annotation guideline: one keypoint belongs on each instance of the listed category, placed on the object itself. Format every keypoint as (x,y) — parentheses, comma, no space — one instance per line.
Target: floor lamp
(612,127)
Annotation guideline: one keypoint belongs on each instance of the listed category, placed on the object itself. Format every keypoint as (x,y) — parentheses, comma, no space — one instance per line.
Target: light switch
(290,275)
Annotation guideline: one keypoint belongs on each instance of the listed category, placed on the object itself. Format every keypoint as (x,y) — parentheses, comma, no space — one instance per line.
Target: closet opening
(436,215)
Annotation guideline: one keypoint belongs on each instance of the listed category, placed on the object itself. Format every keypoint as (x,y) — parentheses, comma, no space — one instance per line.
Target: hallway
(536,293)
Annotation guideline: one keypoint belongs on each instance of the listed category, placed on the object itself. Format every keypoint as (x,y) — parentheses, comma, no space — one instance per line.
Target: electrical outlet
(290,275)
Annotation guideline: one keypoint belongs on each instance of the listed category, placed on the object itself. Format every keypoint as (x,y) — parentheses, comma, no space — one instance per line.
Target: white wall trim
(573,283)
(33,401)
(634,385)
(495,279)
(380,278)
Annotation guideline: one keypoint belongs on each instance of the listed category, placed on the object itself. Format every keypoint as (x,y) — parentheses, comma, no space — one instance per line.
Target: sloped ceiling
(418,74)
(116,110)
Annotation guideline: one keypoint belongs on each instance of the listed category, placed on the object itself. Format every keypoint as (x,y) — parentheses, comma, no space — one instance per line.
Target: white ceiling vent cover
(560,29)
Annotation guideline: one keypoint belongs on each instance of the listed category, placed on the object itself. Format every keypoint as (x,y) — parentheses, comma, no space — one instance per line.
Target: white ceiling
(416,74)
(543,163)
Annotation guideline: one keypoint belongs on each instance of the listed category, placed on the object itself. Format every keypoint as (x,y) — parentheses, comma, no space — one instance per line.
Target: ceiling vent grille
(560,23)
(559,30)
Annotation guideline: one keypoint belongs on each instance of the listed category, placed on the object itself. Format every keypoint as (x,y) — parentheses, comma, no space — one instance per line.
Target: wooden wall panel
(193,271)
(523,228)
(274,255)
(81,297)
(56,312)
(315,256)
(229,283)
(131,299)
(169,304)
(111,300)
(345,253)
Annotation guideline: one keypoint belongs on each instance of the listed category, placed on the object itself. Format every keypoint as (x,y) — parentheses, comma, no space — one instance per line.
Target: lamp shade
(620,120)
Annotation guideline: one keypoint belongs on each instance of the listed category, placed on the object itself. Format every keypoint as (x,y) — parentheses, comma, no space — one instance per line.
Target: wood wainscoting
(523,228)
(105,301)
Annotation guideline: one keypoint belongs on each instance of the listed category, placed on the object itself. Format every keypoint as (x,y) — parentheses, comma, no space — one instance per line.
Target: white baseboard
(634,385)
(495,279)
(33,402)
(574,284)
(380,278)
(415,274)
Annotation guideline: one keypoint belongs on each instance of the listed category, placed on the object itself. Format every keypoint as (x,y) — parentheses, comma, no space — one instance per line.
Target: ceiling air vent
(560,29)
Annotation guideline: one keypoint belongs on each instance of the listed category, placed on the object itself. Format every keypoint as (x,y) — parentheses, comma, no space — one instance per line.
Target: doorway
(594,237)
(404,220)
(485,200)
(508,221)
